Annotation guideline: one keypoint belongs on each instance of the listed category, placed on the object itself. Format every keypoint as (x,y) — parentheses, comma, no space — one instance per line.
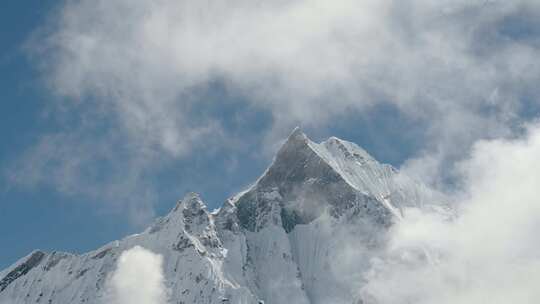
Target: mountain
(305,232)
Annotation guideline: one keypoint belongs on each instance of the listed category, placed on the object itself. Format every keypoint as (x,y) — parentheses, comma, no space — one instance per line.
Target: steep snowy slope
(303,233)
(186,238)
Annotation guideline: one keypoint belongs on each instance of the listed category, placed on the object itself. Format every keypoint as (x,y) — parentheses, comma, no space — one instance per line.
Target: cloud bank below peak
(488,252)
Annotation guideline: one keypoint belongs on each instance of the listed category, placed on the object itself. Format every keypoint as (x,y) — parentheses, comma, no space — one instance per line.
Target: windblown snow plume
(138,279)
(489,253)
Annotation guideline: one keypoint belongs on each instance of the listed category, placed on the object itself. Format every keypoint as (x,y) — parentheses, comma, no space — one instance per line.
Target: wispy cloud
(146,67)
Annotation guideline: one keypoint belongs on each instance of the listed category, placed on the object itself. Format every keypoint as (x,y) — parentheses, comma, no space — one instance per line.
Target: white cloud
(304,60)
(138,279)
(489,253)
(147,66)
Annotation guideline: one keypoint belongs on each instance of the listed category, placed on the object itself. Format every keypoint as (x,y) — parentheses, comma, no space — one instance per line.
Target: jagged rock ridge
(286,239)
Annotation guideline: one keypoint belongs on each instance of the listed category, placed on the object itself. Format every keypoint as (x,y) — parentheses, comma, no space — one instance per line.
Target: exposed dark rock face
(21,270)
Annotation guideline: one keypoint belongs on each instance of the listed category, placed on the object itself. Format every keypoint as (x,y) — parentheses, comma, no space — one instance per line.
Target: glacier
(304,233)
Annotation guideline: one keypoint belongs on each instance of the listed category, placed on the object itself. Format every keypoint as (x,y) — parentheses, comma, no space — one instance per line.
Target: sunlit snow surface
(305,232)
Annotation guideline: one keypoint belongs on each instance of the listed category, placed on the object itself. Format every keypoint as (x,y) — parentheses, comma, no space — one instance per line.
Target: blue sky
(111,111)
(39,218)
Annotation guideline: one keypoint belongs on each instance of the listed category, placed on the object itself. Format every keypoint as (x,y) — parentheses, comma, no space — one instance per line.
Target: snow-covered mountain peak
(345,149)
(190,215)
(307,179)
(333,156)
(192,201)
(297,135)
(280,241)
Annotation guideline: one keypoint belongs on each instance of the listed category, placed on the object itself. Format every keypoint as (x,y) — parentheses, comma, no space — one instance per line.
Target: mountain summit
(304,232)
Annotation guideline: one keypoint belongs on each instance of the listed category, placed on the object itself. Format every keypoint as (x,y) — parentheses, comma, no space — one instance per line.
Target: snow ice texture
(305,232)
